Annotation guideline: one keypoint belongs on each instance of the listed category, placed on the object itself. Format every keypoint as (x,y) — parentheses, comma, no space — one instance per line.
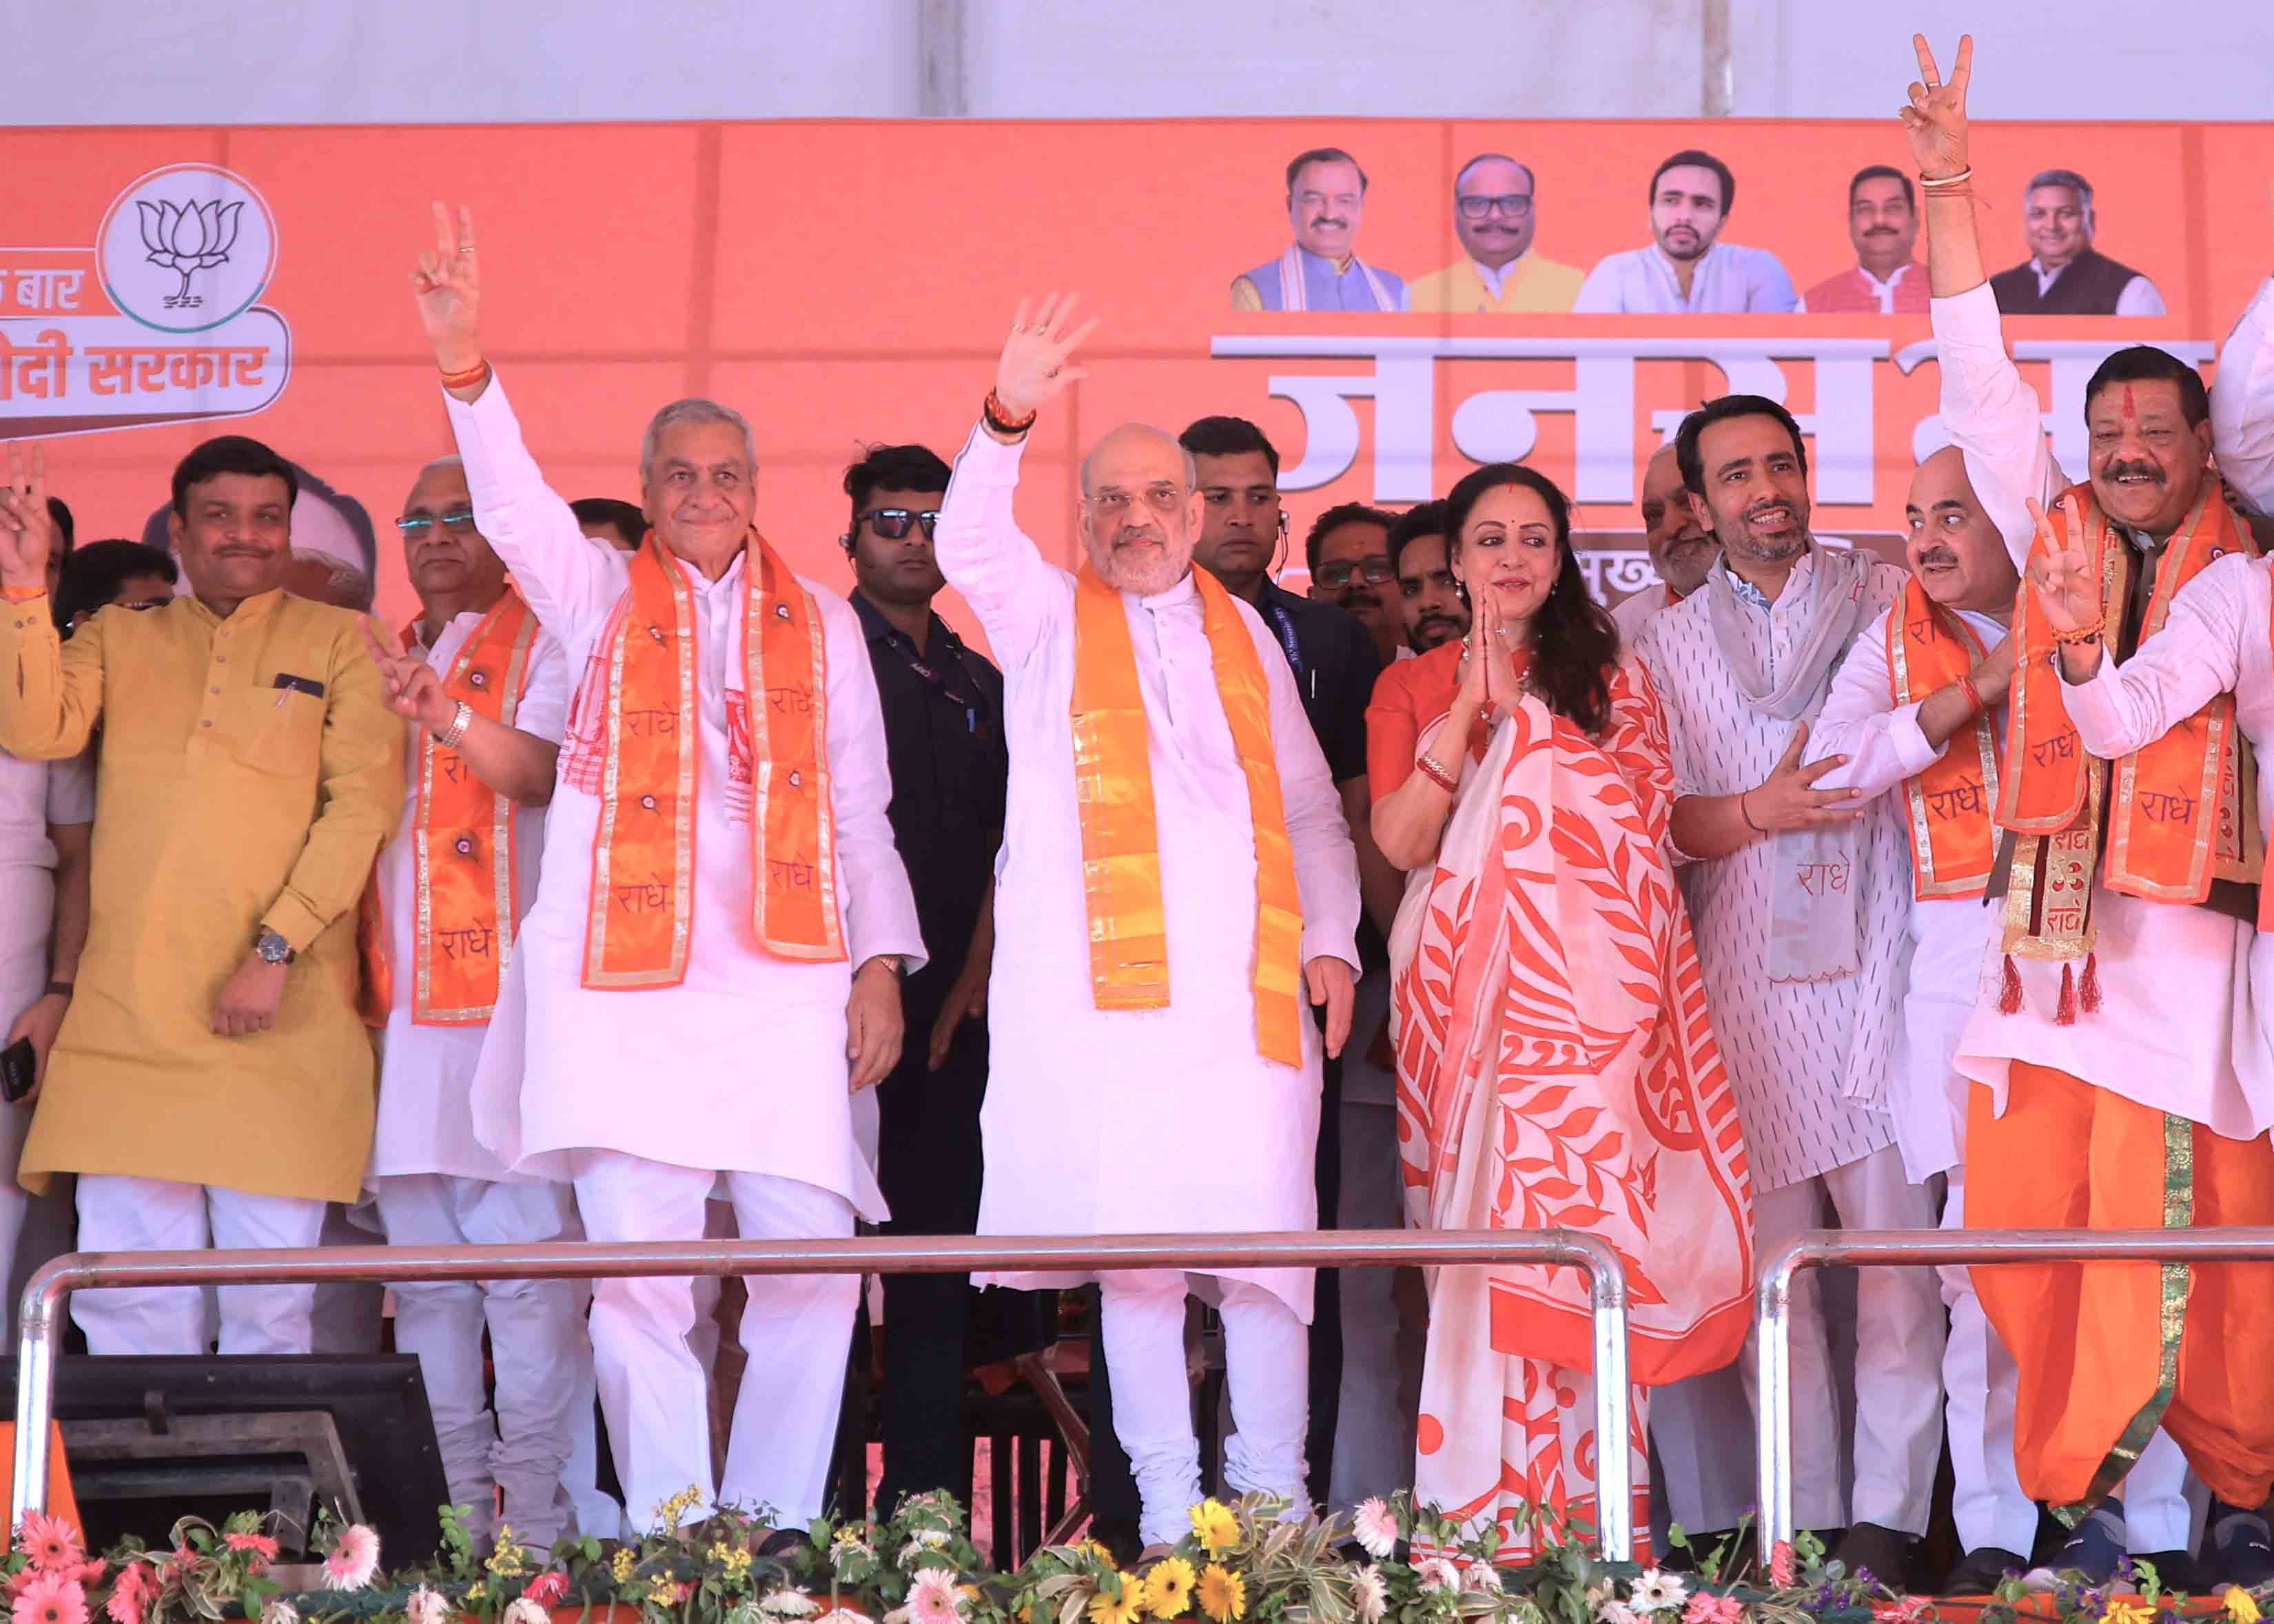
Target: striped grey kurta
(1809,1059)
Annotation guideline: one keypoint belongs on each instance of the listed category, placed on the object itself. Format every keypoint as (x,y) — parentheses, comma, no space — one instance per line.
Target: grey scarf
(1815,891)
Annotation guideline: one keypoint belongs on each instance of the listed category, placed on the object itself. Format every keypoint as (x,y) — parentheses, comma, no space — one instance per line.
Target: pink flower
(1375,1527)
(425,1606)
(51,1543)
(933,1597)
(547,1589)
(354,1558)
(1437,1573)
(130,1596)
(1706,1608)
(50,1598)
(1904,1611)
(1781,1569)
(261,1548)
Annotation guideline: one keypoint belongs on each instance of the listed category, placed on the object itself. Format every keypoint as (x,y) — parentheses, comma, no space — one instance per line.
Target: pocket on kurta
(275,730)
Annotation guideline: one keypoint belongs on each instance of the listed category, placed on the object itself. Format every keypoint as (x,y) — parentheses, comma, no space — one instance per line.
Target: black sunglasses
(893,523)
(1376,570)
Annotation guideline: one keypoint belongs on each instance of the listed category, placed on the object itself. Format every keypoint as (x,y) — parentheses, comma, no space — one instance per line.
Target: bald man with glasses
(1495,215)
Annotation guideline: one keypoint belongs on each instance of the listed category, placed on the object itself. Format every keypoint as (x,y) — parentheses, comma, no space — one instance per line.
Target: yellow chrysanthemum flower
(1169,1587)
(477,1592)
(738,1561)
(1216,1526)
(2241,1605)
(1107,1608)
(1222,1593)
(2129,1611)
(619,1567)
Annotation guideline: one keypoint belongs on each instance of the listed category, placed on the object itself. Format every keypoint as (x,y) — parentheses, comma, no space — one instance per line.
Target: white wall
(99,62)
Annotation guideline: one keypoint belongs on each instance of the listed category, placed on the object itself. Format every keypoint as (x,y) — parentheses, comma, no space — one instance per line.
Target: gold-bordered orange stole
(1121,841)
(643,901)
(2180,812)
(462,862)
(1947,806)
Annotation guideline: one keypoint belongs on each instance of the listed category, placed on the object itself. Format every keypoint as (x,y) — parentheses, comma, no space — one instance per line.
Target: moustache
(1934,558)
(1430,622)
(1880,231)
(1136,533)
(2132,470)
(1328,220)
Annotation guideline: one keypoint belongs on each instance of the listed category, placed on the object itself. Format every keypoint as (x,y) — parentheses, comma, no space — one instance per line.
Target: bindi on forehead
(2131,408)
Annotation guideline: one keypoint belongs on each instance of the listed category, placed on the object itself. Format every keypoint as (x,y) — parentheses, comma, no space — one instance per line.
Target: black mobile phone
(17,1068)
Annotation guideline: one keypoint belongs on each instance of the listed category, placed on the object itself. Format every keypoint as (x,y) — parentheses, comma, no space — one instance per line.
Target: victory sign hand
(1935,121)
(27,535)
(1038,355)
(447,285)
(2065,578)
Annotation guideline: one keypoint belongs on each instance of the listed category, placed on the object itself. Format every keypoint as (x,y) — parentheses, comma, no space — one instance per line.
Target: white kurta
(2154,956)
(1950,936)
(425,1076)
(2216,641)
(1639,607)
(1809,1059)
(1137,1121)
(742,1067)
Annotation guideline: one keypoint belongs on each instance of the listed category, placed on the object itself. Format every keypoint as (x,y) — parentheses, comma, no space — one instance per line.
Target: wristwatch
(272,948)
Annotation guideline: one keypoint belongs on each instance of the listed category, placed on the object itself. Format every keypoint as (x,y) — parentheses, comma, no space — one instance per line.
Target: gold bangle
(1439,774)
(1935,183)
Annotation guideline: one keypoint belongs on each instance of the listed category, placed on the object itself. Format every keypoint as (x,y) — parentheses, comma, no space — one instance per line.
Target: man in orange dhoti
(2119,1079)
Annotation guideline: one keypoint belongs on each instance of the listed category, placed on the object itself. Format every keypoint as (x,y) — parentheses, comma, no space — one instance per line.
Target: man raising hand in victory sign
(726,705)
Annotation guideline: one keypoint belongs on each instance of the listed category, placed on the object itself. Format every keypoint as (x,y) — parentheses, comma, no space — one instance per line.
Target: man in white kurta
(1807,1049)
(1150,1120)
(1961,560)
(2155,956)
(737,1073)
(434,1182)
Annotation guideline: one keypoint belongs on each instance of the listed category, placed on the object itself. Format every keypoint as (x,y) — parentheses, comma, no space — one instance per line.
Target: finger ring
(468,248)
(1934,83)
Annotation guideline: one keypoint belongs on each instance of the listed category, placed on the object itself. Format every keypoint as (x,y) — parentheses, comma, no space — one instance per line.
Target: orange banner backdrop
(845,283)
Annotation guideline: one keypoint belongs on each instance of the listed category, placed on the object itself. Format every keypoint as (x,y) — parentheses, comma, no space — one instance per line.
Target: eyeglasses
(1162,499)
(419,523)
(1515,204)
(1376,570)
(893,523)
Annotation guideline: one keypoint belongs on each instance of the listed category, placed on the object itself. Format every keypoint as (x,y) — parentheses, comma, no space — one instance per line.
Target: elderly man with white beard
(1176,876)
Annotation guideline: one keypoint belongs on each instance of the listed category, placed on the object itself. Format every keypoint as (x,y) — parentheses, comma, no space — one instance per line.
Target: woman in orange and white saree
(1555,1065)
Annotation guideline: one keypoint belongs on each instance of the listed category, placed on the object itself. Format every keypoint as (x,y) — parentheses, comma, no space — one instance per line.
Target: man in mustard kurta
(213,1083)
(1496,217)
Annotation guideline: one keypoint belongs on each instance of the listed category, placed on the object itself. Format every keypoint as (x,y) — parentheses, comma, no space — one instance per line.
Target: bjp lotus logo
(188,238)
(186,248)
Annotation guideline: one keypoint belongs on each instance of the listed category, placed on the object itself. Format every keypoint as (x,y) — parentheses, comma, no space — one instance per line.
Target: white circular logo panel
(186,247)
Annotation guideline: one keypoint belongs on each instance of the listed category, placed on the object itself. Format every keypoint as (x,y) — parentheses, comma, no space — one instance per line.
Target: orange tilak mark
(2131,412)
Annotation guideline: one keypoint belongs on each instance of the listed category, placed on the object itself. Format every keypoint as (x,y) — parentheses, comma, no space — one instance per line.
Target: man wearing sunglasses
(943,707)
(1495,216)
(485,691)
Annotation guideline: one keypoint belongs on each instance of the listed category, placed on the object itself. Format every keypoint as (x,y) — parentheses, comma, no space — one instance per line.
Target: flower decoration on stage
(1245,1562)
(186,238)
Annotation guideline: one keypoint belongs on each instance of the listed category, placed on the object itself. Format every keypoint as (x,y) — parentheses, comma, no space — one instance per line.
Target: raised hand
(1038,355)
(447,285)
(412,690)
(2064,577)
(27,535)
(1935,121)
(1789,798)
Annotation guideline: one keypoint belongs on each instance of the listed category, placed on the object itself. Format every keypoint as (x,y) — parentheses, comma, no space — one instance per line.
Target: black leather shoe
(1982,1569)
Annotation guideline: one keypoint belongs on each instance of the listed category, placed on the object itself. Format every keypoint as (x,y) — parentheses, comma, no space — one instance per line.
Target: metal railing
(42,1311)
(1927,1249)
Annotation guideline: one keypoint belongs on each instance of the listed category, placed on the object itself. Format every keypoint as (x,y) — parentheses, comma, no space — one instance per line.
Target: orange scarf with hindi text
(2180,811)
(1947,806)
(643,901)
(461,852)
(1121,841)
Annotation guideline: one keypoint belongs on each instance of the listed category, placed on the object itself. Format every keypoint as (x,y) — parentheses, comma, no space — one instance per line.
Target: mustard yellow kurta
(222,803)
(1533,285)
